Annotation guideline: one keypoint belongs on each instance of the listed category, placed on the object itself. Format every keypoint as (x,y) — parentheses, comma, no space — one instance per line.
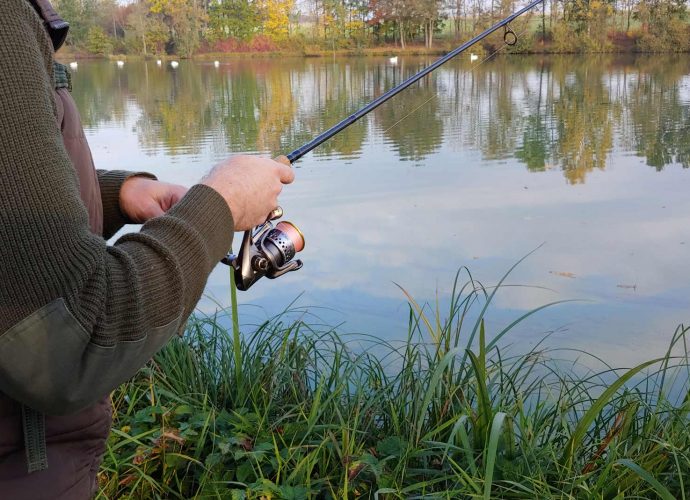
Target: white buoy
(73,65)
(473,57)
(393,60)
(216,64)
(120,64)
(159,62)
(174,64)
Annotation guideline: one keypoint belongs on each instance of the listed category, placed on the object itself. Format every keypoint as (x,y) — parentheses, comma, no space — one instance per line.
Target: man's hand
(142,198)
(250,186)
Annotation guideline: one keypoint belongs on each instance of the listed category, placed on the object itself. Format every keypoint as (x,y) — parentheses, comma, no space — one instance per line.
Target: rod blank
(338,127)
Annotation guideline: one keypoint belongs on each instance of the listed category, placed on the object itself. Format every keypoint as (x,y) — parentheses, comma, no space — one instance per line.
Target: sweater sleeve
(78,317)
(110,182)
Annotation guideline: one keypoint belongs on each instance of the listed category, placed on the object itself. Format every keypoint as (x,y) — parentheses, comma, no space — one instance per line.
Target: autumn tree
(664,25)
(145,32)
(275,16)
(185,20)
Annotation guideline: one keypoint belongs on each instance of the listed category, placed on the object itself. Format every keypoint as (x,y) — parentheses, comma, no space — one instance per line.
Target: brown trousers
(75,446)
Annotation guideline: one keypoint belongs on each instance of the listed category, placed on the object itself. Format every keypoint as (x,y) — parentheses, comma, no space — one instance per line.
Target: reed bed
(289,410)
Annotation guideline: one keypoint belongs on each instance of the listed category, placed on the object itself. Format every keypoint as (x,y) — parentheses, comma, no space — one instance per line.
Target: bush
(673,38)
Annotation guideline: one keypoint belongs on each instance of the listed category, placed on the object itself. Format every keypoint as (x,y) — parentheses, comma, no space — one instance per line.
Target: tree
(428,11)
(185,20)
(233,19)
(275,15)
(401,11)
(97,42)
(663,25)
(81,15)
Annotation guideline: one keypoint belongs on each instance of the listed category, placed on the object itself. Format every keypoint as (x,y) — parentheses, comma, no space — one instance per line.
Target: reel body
(266,250)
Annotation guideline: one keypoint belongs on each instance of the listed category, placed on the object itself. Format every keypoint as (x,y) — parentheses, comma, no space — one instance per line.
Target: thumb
(286,173)
(154,210)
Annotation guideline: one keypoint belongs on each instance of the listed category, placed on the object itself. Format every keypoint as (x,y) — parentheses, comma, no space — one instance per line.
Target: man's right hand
(250,186)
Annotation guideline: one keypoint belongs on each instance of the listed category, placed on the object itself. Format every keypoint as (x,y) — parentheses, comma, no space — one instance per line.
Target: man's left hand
(142,198)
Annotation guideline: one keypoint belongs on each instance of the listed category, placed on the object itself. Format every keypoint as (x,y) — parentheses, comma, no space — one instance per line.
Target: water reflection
(498,160)
(556,112)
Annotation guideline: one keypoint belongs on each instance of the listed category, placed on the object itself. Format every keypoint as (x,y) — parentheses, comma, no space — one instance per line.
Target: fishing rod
(509,37)
(267,250)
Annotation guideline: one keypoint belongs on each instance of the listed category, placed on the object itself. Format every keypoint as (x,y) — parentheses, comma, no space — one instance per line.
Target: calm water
(473,167)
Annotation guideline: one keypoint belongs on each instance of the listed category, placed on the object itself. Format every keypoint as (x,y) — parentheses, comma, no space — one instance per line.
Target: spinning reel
(266,250)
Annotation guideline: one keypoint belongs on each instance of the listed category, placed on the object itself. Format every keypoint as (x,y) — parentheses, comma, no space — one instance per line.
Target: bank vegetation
(183,28)
(294,410)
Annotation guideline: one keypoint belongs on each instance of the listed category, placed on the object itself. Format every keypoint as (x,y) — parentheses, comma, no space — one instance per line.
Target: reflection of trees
(276,111)
(535,138)
(660,116)
(412,122)
(100,91)
(236,100)
(498,139)
(546,112)
(583,119)
(329,92)
(175,107)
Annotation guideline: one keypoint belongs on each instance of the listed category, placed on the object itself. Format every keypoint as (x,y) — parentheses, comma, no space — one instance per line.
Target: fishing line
(472,69)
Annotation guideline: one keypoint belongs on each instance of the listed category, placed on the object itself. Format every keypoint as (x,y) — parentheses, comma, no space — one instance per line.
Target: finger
(176,194)
(286,174)
(283,159)
(154,210)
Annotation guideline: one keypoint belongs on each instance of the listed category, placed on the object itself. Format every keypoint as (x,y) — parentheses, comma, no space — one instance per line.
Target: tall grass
(292,411)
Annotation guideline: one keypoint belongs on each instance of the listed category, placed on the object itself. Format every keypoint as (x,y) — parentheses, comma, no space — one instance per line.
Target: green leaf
(238,495)
(661,490)
(245,472)
(148,414)
(293,492)
(591,414)
(391,446)
(183,410)
(213,459)
(491,452)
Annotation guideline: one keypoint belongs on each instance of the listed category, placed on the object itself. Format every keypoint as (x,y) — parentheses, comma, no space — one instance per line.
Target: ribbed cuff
(110,182)
(206,210)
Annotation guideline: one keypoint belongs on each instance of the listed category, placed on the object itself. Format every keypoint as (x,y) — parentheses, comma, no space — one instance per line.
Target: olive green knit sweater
(119,293)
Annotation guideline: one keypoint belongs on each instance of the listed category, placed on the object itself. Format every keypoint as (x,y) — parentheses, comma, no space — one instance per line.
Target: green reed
(446,414)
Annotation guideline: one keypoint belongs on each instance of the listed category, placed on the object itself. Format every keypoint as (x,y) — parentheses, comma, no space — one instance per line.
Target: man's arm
(77,318)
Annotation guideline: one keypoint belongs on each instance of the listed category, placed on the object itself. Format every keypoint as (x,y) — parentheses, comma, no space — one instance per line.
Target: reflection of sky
(619,241)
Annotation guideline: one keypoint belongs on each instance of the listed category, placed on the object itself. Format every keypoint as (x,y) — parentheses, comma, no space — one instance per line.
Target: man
(78,317)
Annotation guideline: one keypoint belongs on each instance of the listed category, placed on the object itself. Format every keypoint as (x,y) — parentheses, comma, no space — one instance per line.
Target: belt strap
(34,426)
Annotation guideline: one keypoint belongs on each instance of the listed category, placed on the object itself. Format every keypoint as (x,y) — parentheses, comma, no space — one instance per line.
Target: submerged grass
(291,411)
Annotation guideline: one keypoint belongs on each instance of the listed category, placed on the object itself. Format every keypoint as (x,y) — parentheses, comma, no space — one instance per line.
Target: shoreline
(368,52)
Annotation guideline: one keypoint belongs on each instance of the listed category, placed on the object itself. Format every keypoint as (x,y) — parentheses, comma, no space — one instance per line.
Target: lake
(476,166)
